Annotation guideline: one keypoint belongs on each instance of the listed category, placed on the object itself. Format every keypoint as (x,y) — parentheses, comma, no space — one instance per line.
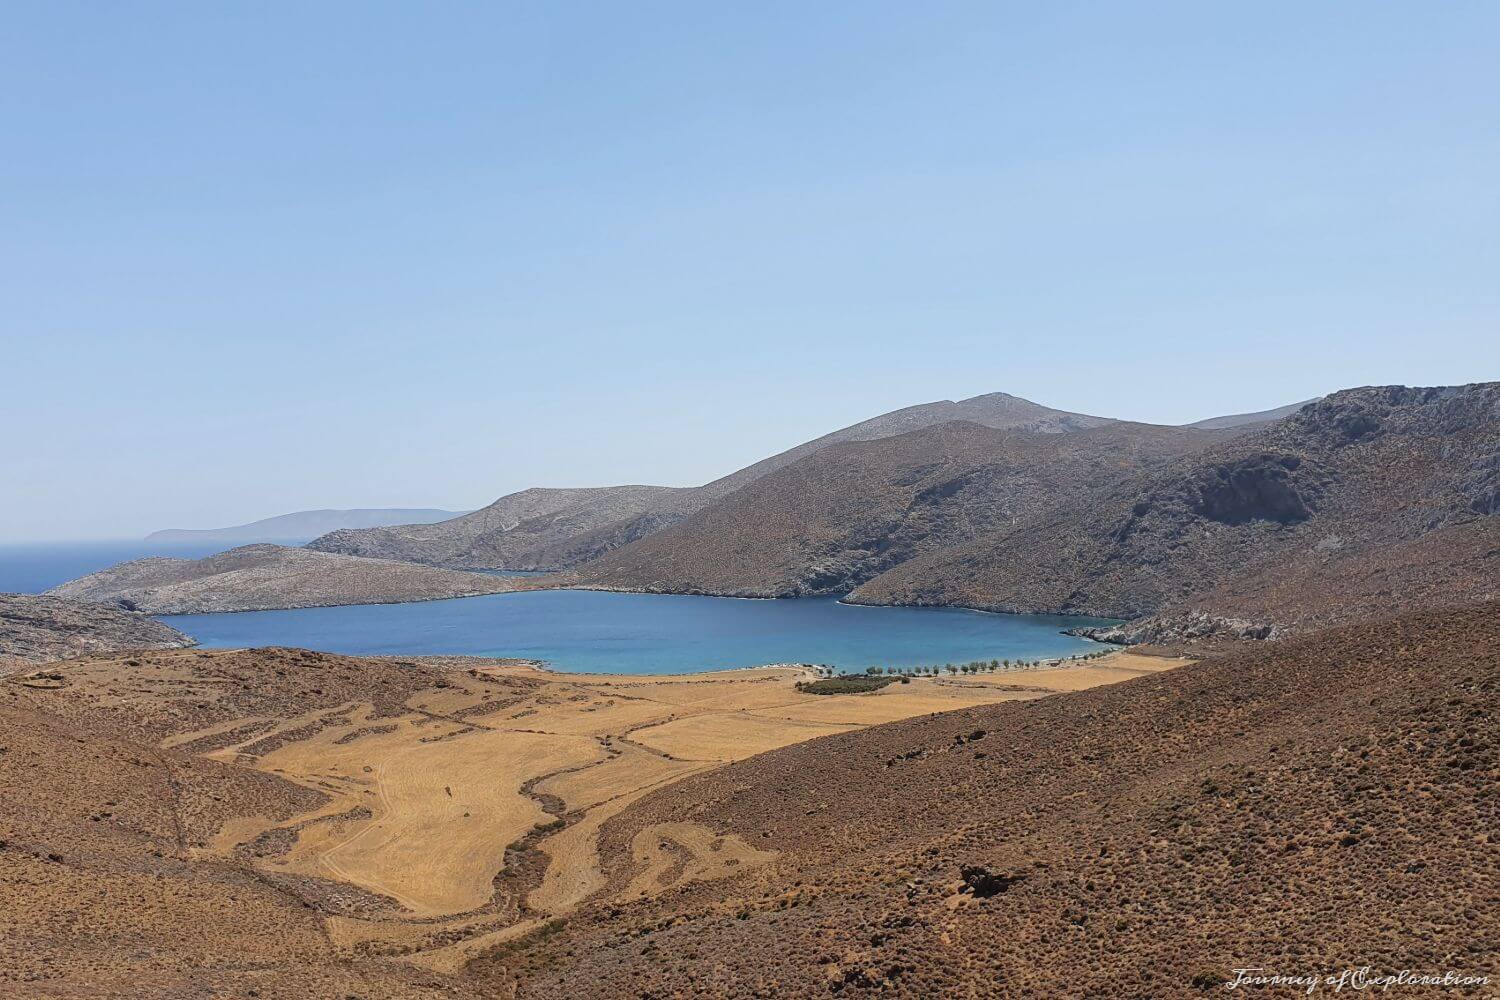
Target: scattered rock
(983,883)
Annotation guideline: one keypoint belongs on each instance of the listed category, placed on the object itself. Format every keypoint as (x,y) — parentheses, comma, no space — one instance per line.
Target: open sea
(31,568)
(576,630)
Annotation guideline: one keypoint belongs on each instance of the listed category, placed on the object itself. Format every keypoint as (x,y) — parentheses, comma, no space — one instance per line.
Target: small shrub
(1207,979)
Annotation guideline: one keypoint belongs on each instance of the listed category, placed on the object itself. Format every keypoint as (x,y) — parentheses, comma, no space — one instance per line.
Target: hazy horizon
(459,509)
(261,261)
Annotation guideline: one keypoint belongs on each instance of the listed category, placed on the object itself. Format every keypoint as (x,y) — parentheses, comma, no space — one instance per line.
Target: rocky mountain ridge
(1337,483)
(850,511)
(561,528)
(1362,503)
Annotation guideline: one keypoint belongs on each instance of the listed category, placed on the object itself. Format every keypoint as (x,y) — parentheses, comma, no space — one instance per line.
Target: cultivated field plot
(429,809)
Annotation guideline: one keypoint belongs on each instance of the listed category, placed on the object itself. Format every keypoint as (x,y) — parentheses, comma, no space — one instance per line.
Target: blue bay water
(588,631)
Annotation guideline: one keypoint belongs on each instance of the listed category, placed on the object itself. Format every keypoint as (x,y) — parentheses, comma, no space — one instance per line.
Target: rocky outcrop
(36,628)
(1193,627)
(269,577)
(1258,487)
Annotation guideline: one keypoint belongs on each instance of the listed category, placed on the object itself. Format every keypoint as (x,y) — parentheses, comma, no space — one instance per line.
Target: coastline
(311,606)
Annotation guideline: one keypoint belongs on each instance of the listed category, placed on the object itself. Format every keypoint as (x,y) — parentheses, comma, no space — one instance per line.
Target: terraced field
(430,810)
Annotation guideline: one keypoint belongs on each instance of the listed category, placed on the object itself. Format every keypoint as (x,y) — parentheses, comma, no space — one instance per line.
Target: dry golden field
(422,813)
(428,810)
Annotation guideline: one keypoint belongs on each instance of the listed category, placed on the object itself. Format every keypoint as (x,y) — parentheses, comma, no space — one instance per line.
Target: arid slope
(850,511)
(303,824)
(518,531)
(1319,588)
(1308,806)
(1342,479)
(560,528)
(35,628)
(108,887)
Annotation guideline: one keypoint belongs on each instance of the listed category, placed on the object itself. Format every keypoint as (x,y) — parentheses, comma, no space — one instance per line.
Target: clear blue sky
(263,257)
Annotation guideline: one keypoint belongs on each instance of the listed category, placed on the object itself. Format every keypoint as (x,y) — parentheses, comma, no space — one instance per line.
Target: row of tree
(972,667)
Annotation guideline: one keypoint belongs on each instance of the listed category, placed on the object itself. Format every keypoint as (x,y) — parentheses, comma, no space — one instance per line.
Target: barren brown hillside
(35,628)
(561,528)
(853,510)
(1435,570)
(1308,806)
(1317,588)
(1341,479)
(517,531)
(106,888)
(216,822)
(263,577)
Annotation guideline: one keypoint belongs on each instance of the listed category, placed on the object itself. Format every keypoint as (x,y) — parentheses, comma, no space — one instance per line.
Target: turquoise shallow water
(594,632)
